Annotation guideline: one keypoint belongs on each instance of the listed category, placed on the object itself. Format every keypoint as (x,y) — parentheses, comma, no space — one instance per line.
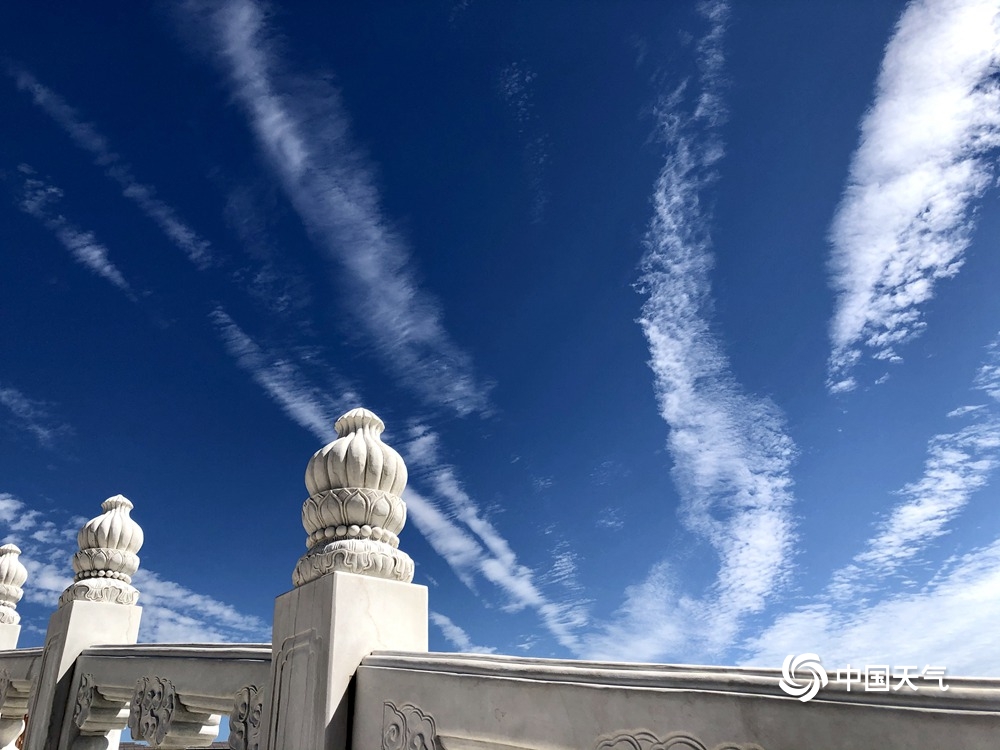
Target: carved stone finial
(354,511)
(107,558)
(13,574)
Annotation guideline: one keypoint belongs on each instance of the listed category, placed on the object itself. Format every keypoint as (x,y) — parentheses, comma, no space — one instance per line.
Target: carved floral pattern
(644,740)
(355,556)
(153,704)
(407,728)
(357,458)
(5,682)
(244,720)
(100,590)
(84,699)
(354,511)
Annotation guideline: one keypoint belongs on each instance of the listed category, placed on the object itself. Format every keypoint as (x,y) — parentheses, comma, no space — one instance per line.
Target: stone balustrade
(348,663)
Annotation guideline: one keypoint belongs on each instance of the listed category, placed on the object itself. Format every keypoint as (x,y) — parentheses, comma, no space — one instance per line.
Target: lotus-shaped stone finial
(354,510)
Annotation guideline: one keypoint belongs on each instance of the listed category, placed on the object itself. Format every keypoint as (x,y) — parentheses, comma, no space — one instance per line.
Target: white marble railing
(483,702)
(348,666)
(18,674)
(172,696)
(168,695)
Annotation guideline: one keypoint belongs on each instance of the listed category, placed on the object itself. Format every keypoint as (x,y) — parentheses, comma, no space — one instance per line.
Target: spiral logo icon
(804,691)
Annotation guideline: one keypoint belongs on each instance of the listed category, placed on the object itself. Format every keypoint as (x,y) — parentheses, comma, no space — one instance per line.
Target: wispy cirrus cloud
(469,543)
(172,612)
(273,279)
(38,200)
(457,637)
(32,416)
(516,86)
(86,136)
(304,134)
(905,219)
(950,622)
(958,464)
(948,619)
(732,458)
(473,546)
(283,380)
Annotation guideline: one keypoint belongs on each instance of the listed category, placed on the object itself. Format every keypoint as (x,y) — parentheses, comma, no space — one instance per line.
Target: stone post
(98,608)
(353,592)
(13,574)
(12,577)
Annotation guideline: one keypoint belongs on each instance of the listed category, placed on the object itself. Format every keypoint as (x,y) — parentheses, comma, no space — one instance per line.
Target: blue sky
(684,317)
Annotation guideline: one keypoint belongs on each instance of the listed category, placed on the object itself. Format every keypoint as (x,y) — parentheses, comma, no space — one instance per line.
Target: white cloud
(86,137)
(303,131)
(457,637)
(32,415)
(174,613)
(39,196)
(655,619)
(958,464)
(731,456)
(950,623)
(282,380)
(473,547)
(950,619)
(905,219)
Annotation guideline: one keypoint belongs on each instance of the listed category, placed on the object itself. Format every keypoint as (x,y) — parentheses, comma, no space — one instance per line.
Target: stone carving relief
(4,686)
(643,740)
(244,720)
(11,725)
(93,591)
(153,705)
(85,695)
(297,654)
(407,728)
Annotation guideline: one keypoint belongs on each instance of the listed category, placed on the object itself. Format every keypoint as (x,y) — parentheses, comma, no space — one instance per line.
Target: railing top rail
(963,693)
(253,651)
(23,653)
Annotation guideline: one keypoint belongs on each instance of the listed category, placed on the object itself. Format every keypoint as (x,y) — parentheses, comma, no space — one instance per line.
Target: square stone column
(322,631)
(9,633)
(73,627)
(98,608)
(353,592)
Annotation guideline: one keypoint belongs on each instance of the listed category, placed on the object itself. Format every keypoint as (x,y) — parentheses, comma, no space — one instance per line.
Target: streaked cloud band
(906,216)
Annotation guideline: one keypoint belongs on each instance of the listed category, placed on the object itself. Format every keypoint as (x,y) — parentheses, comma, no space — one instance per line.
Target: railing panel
(473,702)
(172,696)
(18,677)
